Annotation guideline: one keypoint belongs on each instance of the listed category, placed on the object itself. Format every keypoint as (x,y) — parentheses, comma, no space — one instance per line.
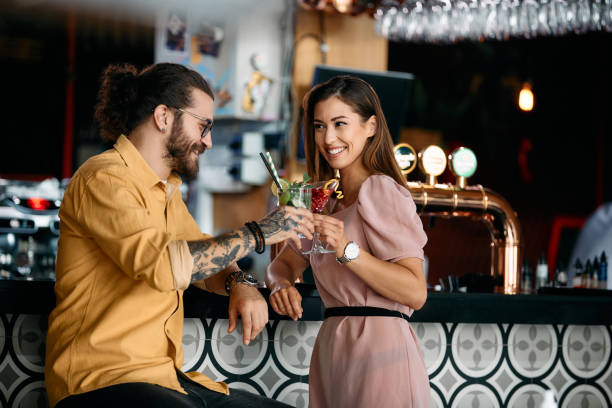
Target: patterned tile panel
(477,348)
(476,395)
(605,382)
(22,359)
(447,382)
(527,395)
(585,395)
(504,381)
(295,394)
(270,378)
(558,380)
(231,354)
(293,344)
(586,350)
(470,365)
(532,349)
(434,344)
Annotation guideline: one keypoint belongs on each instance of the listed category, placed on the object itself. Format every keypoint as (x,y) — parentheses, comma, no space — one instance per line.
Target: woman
(366,353)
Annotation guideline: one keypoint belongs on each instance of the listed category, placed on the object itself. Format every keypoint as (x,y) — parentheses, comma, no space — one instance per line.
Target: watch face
(351,251)
(250,279)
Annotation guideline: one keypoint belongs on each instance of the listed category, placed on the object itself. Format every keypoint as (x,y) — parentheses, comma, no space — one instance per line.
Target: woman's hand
(331,230)
(287,301)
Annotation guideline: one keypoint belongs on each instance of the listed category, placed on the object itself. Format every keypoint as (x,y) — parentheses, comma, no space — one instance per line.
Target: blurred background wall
(550,164)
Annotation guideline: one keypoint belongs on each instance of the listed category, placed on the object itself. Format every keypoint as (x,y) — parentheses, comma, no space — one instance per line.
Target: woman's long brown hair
(377,153)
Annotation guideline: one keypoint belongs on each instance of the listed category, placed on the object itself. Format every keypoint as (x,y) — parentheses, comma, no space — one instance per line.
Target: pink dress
(369,361)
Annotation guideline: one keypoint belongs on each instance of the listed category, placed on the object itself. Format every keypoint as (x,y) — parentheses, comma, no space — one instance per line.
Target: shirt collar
(134,160)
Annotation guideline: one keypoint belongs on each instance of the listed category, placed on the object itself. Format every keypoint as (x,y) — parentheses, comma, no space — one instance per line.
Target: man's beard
(179,151)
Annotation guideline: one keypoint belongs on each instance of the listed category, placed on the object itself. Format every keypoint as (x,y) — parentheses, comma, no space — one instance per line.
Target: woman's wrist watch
(351,252)
(237,277)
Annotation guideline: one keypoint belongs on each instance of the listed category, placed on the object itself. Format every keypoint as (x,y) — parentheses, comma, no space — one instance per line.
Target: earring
(163,130)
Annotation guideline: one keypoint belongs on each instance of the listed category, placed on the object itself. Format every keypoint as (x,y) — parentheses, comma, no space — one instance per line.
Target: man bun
(118,92)
(127,96)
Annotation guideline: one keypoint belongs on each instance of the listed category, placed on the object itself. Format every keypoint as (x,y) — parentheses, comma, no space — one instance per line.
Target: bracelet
(260,242)
(254,232)
(261,236)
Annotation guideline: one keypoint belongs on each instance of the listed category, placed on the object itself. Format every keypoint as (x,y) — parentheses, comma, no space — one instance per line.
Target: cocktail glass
(299,197)
(322,202)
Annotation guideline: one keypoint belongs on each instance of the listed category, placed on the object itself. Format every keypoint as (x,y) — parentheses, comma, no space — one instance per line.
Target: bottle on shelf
(604,280)
(586,276)
(595,277)
(526,279)
(541,273)
(561,275)
(578,274)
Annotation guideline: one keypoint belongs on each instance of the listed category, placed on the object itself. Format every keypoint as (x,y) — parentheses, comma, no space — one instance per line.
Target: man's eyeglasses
(208,123)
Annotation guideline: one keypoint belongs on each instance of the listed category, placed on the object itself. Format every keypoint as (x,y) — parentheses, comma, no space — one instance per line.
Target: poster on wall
(258,88)
(208,39)
(236,46)
(175,33)
(198,44)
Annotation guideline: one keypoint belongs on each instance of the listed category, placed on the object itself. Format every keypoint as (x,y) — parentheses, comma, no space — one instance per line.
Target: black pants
(154,396)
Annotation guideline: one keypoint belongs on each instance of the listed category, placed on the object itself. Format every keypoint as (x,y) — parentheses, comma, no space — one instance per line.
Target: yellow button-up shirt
(118,316)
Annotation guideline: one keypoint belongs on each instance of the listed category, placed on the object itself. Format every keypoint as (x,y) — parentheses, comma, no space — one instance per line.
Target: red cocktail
(322,202)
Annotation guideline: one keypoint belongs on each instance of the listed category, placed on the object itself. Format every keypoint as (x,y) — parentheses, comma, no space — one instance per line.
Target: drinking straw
(267,159)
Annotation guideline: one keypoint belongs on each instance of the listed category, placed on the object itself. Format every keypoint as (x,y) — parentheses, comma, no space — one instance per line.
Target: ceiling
(144,11)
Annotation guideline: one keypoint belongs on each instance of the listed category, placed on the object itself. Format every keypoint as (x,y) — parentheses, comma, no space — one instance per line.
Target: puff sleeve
(391,224)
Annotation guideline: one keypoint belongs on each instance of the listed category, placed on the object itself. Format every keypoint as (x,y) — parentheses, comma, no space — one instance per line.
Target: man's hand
(286,223)
(247,302)
(211,256)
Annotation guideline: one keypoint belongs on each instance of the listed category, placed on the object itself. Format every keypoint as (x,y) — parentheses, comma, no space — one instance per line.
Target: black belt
(363,311)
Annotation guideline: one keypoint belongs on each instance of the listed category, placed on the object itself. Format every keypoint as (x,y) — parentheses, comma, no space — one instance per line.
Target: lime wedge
(284,198)
(284,184)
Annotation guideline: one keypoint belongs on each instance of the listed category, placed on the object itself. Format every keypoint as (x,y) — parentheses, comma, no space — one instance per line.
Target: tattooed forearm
(215,254)
(276,222)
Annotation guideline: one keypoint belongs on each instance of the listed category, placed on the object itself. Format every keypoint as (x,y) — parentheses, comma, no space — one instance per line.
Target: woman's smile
(335,151)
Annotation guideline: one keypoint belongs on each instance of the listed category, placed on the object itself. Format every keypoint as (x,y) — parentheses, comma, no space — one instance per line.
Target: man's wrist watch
(237,277)
(351,252)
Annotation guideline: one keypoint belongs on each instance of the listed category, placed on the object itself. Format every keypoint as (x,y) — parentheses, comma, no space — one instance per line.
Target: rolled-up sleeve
(182,263)
(117,219)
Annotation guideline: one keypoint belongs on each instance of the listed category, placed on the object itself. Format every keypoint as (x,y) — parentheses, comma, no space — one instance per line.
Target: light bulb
(343,5)
(526,98)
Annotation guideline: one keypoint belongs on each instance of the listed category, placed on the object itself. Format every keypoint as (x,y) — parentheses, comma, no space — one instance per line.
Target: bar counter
(569,306)
(485,349)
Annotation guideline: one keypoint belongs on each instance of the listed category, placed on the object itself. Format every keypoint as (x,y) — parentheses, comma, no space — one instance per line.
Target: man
(128,248)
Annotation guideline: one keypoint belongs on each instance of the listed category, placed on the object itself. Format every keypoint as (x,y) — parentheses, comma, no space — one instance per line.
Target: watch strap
(237,277)
(344,259)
